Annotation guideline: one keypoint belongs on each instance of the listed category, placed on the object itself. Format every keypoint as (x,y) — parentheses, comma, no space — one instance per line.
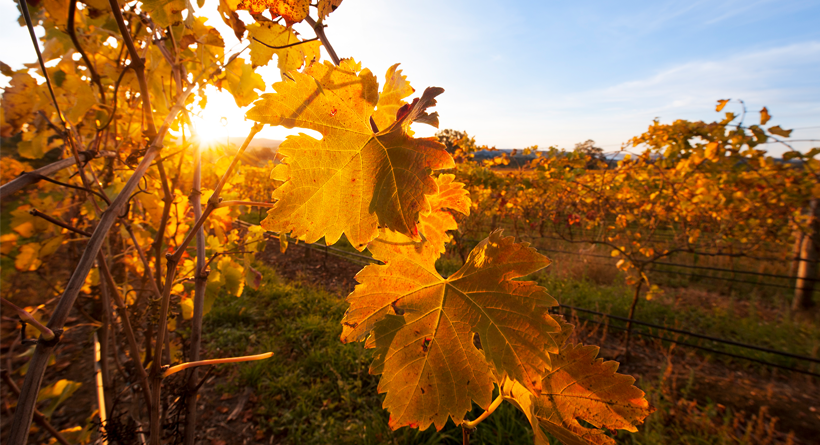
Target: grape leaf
(76,98)
(451,195)
(8,242)
(433,226)
(227,11)
(58,10)
(352,180)
(17,104)
(293,11)
(274,34)
(396,89)
(35,144)
(58,392)
(424,326)
(165,12)
(580,387)
(721,103)
(776,130)
(29,257)
(326,7)
(759,134)
(764,116)
(242,81)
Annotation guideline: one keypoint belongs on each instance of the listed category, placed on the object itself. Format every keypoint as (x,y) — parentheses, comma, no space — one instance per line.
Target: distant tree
(588,148)
(454,140)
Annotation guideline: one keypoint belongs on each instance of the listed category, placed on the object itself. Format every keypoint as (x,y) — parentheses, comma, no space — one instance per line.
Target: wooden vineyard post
(807,263)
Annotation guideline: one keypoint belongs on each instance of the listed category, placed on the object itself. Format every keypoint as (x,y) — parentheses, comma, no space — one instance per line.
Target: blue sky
(520,73)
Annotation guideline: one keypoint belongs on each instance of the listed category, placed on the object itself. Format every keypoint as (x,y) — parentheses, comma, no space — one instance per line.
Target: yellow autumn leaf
(51,245)
(615,253)
(326,7)
(711,151)
(352,180)
(231,277)
(7,243)
(283,242)
(29,257)
(58,392)
(396,89)
(721,103)
(425,328)
(764,116)
(584,387)
(57,10)
(165,12)
(76,98)
(187,306)
(266,34)
(17,104)
(242,82)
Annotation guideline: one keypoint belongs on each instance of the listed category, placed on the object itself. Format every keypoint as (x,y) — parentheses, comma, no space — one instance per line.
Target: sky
(523,73)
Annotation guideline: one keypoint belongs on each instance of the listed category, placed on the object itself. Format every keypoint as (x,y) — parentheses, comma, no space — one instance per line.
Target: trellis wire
(363,260)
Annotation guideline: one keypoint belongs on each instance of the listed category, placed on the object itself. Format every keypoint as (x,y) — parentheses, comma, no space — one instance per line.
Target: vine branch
(288,45)
(175,369)
(319,29)
(25,316)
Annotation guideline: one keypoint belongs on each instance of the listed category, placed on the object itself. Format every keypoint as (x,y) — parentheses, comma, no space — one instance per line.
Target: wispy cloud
(775,77)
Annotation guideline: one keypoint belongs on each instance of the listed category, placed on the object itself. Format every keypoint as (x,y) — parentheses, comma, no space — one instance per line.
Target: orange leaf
(580,387)
(425,328)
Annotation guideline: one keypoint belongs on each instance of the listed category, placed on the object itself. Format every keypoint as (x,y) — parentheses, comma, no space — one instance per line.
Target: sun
(211,128)
(221,119)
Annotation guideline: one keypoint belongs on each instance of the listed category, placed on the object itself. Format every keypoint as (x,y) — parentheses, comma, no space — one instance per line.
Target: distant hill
(259,151)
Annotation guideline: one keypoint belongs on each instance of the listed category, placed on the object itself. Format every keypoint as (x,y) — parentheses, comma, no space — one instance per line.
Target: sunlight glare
(221,120)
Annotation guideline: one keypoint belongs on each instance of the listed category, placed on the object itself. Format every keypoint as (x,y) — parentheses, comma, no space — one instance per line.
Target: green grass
(316,390)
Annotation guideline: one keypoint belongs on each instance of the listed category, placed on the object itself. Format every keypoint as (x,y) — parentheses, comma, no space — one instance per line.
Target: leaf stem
(244,203)
(35,212)
(216,361)
(471,424)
